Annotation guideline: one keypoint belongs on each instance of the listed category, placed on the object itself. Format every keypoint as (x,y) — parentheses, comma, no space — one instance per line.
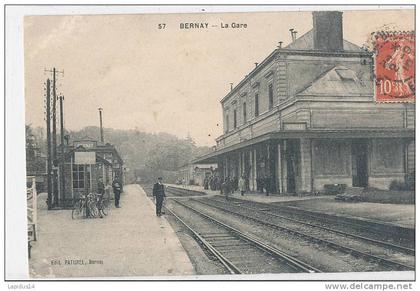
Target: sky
(162,80)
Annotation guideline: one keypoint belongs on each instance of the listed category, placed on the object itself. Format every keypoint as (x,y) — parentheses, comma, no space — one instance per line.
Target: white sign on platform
(84,158)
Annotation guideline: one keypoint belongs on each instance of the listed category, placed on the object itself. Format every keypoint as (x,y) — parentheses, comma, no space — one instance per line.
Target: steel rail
(334,245)
(374,241)
(222,259)
(323,217)
(184,192)
(290,260)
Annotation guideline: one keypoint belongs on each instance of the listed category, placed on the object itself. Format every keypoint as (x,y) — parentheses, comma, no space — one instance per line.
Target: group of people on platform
(213,182)
(265,182)
(231,184)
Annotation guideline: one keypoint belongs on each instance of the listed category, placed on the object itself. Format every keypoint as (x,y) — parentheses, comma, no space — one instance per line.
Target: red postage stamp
(395,66)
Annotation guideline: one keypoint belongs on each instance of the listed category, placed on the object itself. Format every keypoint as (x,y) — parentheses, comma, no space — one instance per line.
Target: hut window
(79,173)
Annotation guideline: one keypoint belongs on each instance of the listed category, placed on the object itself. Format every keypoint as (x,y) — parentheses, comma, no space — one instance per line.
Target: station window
(227,123)
(234,119)
(79,173)
(256,112)
(270,97)
(244,111)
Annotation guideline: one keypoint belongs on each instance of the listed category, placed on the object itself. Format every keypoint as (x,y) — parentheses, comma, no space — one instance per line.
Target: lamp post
(100,124)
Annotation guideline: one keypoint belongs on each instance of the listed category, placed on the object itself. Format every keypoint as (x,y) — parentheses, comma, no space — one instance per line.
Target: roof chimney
(292,34)
(328,30)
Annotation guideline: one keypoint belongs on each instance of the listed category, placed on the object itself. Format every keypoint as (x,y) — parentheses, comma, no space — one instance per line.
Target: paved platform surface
(394,214)
(252,196)
(130,241)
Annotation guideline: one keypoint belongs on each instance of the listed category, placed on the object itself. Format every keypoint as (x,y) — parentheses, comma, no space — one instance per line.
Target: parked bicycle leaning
(85,207)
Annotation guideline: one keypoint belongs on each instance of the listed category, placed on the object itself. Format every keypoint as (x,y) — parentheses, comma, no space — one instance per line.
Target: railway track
(317,237)
(388,245)
(392,237)
(177,192)
(173,191)
(238,252)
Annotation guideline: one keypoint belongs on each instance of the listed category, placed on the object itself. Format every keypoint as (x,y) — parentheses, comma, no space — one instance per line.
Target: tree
(35,162)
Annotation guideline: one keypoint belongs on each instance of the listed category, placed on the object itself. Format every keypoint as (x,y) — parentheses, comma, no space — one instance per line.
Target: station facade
(306,117)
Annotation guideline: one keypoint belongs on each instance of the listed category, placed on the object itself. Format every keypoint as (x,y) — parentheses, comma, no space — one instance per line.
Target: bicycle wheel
(105,207)
(93,209)
(77,211)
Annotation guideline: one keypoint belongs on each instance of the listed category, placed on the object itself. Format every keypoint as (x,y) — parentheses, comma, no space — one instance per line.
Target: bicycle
(102,204)
(85,207)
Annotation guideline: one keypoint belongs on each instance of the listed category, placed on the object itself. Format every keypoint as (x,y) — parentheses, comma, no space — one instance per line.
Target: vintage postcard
(274,144)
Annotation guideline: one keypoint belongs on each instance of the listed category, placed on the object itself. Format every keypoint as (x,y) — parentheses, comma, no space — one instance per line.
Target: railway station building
(306,116)
(195,174)
(87,160)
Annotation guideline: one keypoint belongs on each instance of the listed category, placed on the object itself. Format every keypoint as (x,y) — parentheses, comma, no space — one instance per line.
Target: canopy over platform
(404,133)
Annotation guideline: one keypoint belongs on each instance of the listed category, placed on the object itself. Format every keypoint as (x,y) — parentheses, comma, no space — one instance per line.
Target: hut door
(359,156)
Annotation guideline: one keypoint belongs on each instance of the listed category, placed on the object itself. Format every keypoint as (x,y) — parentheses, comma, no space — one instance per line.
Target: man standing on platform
(267,184)
(159,194)
(116,186)
(101,186)
(241,185)
(101,192)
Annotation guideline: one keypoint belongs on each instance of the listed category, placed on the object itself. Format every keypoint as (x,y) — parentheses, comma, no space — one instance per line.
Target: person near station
(101,186)
(242,185)
(234,184)
(226,188)
(116,187)
(206,183)
(101,193)
(267,184)
(261,183)
(159,195)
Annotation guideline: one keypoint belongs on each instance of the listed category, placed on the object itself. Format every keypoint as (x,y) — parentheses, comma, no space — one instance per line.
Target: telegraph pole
(54,130)
(62,178)
(54,118)
(49,164)
(54,139)
(100,124)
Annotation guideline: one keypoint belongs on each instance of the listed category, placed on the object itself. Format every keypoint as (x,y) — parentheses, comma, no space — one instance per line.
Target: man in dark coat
(159,194)
(101,187)
(116,186)
(101,192)
(267,184)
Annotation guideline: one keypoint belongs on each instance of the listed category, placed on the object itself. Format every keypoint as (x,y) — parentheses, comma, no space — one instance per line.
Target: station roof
(301,46)
(306,42)
(338,81)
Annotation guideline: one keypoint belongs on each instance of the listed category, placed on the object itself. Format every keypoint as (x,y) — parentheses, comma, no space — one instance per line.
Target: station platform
(130,242)
(400,215)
